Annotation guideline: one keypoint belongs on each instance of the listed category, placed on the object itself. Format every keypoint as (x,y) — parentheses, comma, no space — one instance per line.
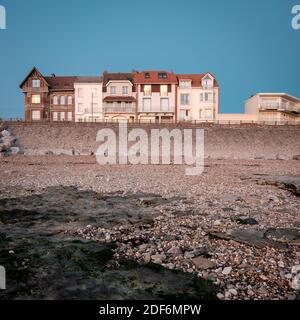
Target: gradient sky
(248,44)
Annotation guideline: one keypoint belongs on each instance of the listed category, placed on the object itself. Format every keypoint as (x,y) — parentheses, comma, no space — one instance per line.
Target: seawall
(221,141)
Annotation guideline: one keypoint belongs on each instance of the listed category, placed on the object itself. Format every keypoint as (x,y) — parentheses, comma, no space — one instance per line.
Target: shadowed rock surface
(43,262)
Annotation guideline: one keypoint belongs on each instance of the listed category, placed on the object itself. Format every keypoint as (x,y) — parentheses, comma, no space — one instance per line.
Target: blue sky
(248,44)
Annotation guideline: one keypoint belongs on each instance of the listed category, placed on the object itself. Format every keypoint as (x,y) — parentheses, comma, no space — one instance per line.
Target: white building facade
(197,97)
(88,99)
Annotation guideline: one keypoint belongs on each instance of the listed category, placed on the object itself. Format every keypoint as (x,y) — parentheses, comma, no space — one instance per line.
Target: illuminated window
(147,90)
(70,116)
(70,100)
(164,90)
(55,100)
(55,116)
(36,115)
(36,83)
(36,99)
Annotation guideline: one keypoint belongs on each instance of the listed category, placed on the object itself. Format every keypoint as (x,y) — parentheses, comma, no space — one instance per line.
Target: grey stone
(203,263)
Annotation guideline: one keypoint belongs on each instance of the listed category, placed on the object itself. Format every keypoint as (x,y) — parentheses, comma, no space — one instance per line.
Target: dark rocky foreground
(44,260)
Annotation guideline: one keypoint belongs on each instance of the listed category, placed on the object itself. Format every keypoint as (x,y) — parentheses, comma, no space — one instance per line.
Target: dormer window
(207,83)
(162,75)
(36,83)
(147,75)
(185,84)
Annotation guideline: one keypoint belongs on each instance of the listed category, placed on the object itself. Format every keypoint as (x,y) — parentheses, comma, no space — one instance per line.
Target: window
(55,100)
(162,75)
(208,114)
(80,107)
(185,84)
(164,104)
(36,115)
(147,90)
(55,116)
(164,90)
(184,99)
(36,83)
(113,90)
(147,75)
(208,97)
(62,100)
(125,90)
(182,115)
(80,93)
(146,105)
(70,100)
(207,83)
(62,116)
(70,116)
(201,97)
(36,99)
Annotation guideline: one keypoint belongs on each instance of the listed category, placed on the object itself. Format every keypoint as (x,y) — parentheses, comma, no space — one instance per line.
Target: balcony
(157,109)
(279,106)
(118,109)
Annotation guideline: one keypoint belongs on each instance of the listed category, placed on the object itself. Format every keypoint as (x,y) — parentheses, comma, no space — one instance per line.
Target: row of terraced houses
(147,96)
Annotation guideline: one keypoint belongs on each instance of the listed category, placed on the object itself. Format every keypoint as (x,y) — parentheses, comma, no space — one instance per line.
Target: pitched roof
(34,69)
(89,79)
(61,83)
(151,77)
(116,77)
(196,79)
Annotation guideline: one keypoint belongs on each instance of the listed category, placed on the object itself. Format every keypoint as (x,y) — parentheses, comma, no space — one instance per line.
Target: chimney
(53,75)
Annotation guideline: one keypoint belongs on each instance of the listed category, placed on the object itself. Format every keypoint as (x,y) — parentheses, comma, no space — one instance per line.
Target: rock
(220,296)
(14,150)
(217,223)
(290,183)
(245,220)
(226,271)
(296,157)
(233,292)
(250,237)
(158,258)
(5,133)
(175,251)
(203,263)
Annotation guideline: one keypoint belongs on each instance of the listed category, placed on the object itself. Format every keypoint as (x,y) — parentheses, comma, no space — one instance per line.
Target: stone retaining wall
(221,141)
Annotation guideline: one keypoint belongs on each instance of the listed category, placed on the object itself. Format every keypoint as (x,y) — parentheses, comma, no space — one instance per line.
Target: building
(48,98)
(147,96)
(278,107)
(156,96)
(119,97)
(197,97)
(88,99)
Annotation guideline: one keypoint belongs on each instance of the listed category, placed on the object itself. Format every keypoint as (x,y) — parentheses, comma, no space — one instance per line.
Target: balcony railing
(157,109)
(279,106)
(119,109)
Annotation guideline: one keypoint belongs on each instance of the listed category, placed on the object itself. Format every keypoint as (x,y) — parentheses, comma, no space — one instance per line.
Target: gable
(33,74)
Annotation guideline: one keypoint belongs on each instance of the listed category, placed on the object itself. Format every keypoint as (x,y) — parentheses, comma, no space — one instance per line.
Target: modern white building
(88,99)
